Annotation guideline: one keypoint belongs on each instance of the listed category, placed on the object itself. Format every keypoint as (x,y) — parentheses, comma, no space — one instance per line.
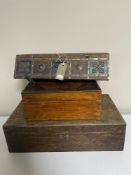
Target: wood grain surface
(62,101)
(107,134)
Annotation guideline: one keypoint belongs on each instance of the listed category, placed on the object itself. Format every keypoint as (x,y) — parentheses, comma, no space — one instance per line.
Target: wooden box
(55,100)
(83,66)
(107,134)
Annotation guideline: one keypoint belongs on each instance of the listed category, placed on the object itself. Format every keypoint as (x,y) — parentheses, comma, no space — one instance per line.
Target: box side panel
(40,86)
(61,96)
(66,110)
(68,138)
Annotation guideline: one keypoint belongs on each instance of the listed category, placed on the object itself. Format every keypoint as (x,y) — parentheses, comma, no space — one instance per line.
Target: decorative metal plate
(97,68)
(92,66)
(79,69)
(24,66)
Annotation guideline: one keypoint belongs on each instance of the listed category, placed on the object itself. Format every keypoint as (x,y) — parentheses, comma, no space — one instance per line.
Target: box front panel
(65,138)
(63,110)
(86,66)
(62,106)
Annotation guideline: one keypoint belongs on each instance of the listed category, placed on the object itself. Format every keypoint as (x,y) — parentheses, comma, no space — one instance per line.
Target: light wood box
(68,100)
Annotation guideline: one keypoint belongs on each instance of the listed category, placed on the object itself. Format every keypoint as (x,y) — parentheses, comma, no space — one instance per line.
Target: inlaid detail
(92,66)
(98,68)
(24,66)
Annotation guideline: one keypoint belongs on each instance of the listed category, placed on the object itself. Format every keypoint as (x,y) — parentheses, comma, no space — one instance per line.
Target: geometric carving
(98,68)
(24,66)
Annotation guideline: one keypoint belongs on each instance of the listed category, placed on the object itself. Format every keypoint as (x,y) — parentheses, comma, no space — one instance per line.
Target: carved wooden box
(68,100)
(86,66)
(107,134)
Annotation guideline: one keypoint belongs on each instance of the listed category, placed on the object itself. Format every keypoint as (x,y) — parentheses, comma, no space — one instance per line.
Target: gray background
(45,26)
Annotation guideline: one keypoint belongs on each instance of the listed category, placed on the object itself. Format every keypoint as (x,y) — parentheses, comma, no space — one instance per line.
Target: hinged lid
(92,66)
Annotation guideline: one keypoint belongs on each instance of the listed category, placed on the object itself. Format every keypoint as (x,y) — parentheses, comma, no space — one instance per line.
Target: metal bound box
(86,66)
(107,134)
(68,100)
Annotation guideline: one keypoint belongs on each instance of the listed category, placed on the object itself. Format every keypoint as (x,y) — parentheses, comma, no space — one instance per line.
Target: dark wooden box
(107,134)
(68,100)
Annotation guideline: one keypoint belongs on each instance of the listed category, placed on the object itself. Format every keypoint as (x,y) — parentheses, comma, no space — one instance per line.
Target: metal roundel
(41,67)
(79,67)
